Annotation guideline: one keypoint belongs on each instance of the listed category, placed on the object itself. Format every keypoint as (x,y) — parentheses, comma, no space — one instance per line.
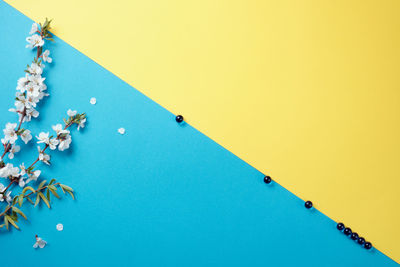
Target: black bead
(368,245)
(179,118)
(267,179)
(340,226)
(347,231)
(361,241)
(308,204)
(354,236)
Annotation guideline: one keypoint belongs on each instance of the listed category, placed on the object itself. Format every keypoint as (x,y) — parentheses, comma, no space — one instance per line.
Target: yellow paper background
(305,91)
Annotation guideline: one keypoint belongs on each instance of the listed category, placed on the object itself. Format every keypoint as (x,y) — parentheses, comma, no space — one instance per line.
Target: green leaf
(42,184)
(66,187)
(14,201)
(48,194)
(52,181)
(14,216)
(30,169)
(44,199)
(72,194)
(6,221)
(2,225)
(19,212)
(52,187)
(12,221)
(53,190)
(37,200)
(20,199)
(30,200)
(28,188)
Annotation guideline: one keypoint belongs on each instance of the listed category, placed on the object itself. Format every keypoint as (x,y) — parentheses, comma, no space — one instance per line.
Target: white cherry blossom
(14,149)
(35,69)
(71,113)
(21,182)
(26,136)
(59,129)
(82,124)
(9,170)
(33,91)
(21,102)
(22,83)
(29,113)
(93,101)
(39,242)
(53,143)
(22,173)
(44,138)
(37,80)
(7,196)
(34,28)
(65,142)
(34,41)
(22,169)
(31,100)
(46,57)
(33,176)
(43,156)
(9,133)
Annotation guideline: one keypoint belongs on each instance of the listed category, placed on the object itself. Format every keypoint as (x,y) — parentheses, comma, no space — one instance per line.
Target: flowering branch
(14,174)
(30,91)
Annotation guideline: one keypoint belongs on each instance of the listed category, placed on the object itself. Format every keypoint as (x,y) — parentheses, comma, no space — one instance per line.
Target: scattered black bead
(340,226)
(361,241)
(267,179)
(347,231)
(179,118)
(368,245)
(354,236)
(308,204)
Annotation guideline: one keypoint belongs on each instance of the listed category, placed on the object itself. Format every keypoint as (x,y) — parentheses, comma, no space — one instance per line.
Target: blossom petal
(121,130)
(60,227)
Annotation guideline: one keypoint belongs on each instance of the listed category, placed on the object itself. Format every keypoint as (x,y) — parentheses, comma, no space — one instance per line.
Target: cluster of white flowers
(11,134)
(11,172)
(61,140)
(30,90)
(4,196)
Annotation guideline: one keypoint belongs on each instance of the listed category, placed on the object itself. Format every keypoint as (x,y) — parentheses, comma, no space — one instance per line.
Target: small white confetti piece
(60,227)
(93,101)
(121,130)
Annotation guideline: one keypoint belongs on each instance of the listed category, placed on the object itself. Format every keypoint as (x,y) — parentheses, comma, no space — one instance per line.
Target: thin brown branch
(8,186)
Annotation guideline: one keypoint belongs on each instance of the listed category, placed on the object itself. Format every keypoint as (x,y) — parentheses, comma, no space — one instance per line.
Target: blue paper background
(163,194)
